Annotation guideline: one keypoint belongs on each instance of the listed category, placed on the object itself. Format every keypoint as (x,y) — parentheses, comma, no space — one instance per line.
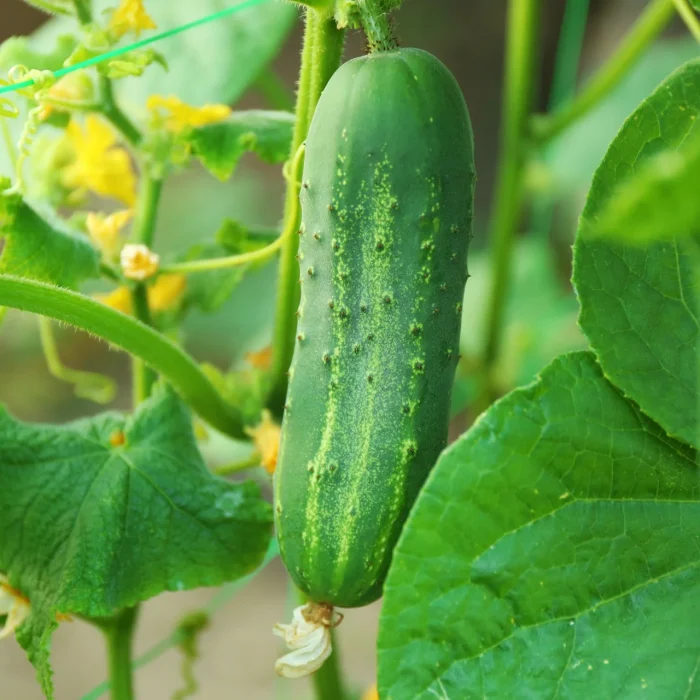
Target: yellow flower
(262,359)
(130,16)
(105,230)
(166,292)
(266,436)
(13,605)
(178,115)
(119,299)
(99,165)
(371,693)
(138,262)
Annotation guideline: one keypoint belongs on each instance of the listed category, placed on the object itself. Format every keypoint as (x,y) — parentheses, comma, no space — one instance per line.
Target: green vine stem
(328,680)
(689,16)
(225,263)
(113,113)
(88,385)
(192,266)
(221,598)
(649,25)
(377,26)
(521,52)
(83,11)
(143,231)
(129,334)
(235,467)
(321,55)
(119,632)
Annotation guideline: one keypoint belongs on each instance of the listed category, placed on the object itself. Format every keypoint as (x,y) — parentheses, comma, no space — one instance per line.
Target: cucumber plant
(549,551)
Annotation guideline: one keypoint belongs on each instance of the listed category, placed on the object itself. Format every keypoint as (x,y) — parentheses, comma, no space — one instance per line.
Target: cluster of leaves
(553,551)
(165,522)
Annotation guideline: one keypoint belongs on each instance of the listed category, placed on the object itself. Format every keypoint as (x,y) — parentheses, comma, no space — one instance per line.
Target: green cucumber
(387,201)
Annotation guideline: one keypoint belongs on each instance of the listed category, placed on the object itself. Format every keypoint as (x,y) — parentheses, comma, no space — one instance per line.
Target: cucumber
(387,201)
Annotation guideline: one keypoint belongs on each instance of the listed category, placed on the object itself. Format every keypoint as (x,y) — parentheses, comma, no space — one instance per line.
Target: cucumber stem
(321,56)
(377,26)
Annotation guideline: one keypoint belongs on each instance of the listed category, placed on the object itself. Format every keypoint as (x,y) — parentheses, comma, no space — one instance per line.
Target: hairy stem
(323,48)
(376,24)
(129,334)
(650,24)
(689,16)
(521,48)
(119,634)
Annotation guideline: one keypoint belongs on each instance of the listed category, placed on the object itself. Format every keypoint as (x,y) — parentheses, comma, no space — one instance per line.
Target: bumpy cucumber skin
(387,202)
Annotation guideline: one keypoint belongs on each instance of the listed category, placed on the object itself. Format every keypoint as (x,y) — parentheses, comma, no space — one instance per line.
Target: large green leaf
(41,246)
(90,525)
(552,554)
(220,146)
(639,305)
(659,202)
(214,63)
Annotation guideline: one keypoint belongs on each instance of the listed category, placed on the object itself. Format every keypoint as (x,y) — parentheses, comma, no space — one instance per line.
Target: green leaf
(220,146)
(695,4)
(91,526)
(659,202)
(214,63)
(552,554)
(41,246)
(238,238)
(639,306)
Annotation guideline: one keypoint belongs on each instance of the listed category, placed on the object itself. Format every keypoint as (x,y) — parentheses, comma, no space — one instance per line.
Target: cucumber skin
(387,204)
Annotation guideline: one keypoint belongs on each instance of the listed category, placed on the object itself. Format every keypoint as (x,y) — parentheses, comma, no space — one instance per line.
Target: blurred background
(238,650)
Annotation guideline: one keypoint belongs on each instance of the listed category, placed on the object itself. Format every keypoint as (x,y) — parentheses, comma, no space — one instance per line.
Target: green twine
(138,44)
